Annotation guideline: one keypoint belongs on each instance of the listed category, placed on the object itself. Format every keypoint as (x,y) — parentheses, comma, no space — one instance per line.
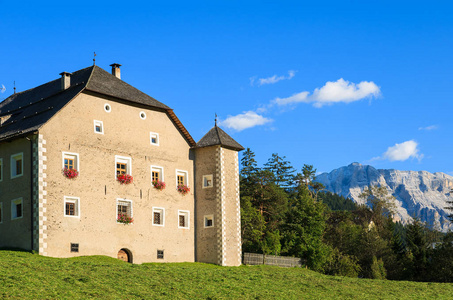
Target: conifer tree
(282,170)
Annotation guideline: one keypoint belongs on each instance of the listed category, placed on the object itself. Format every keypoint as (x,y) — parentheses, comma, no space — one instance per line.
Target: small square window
(160,254)
(154,138)
(17,165)
(1,212)
(70,160)
(71,207)
(123,165)
(158,216)
(157,173)
(16,209)
(124,211)
(1,169)
(98,127)
(208,221)
(182,178)
(183,219)
(74,247)
(207,181)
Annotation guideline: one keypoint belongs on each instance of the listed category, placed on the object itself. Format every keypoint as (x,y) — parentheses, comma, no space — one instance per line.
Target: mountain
(418,194)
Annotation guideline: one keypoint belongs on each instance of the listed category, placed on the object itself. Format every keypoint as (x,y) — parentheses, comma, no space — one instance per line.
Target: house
(68,149)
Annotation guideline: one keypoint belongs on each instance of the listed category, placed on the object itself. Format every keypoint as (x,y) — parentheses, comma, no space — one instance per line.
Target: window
(208,221)
(1,169)
(182,178)
(160,254)
(123,165)
(157,173)
(207,181)
(98,127)
(16,209)
(71,161)
(183,219)
(17,165)
(107,108)
(124,208)
(74,247)
(154,138)
(72,207)
(1,212)
(142,115)
(158,216)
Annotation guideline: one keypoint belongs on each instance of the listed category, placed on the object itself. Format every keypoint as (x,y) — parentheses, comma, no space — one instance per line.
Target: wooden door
(123,255)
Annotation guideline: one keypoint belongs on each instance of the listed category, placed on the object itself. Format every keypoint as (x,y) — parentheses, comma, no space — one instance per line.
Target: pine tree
(282,170)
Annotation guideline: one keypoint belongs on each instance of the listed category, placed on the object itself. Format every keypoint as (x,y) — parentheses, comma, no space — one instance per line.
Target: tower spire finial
(94,59)
(14,86)
(215,120)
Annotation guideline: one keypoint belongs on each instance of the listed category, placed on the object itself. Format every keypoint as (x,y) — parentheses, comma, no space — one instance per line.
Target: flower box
(159,185)
(70,173)
(124,219)
(124,178)
(183,189)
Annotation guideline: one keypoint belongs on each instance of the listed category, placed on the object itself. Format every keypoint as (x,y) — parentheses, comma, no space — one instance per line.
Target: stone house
(67,151)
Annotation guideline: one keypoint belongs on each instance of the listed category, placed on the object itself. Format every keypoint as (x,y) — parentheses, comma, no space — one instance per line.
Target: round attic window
(107,108)
(142,115)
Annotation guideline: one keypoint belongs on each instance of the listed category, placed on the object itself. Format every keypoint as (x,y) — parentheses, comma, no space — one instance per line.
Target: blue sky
(326,83)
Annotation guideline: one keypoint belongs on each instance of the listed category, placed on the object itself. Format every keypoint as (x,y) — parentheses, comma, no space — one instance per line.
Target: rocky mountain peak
(419,194)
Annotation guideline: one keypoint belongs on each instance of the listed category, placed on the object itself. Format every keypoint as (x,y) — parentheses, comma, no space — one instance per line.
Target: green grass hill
(29,276)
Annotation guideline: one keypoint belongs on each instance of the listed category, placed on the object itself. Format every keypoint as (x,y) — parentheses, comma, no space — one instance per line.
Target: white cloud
(273,79)
(2,89)
(245,120)
(334,92)
(403,151)
(428,128)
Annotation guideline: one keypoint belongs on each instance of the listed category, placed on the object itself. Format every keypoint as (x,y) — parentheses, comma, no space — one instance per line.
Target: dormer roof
(216,136)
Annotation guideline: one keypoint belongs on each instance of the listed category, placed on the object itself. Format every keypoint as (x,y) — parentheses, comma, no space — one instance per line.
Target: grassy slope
(25,275)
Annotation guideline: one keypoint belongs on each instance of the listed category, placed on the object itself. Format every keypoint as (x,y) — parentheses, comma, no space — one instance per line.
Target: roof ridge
(91,74)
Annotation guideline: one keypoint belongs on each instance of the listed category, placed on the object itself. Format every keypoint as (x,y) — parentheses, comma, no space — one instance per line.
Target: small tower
(217,203)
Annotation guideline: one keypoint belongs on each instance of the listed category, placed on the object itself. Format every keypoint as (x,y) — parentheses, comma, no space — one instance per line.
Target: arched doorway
(125,255)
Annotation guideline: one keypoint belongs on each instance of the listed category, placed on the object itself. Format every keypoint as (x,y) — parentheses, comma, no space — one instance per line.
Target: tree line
(286,212)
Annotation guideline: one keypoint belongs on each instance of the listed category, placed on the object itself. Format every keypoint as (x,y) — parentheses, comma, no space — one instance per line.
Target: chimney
(65,80)
(116,70)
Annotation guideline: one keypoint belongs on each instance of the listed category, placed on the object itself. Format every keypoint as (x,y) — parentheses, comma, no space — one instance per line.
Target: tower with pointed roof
(218,233)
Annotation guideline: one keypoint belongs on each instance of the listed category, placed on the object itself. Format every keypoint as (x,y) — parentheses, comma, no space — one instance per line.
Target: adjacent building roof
(217,136)
(25,112)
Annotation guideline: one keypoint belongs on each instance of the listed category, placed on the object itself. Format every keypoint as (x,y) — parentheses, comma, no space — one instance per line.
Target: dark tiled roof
(217,136)
(27,111)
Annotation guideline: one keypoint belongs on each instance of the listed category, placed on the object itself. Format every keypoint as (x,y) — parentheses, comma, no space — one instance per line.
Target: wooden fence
(271,260)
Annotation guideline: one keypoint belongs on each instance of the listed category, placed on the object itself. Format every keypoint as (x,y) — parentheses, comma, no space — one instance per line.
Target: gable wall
(125,134)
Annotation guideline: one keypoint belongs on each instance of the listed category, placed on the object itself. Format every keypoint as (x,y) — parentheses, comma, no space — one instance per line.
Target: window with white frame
(123,165)
(124,210)
(157,173)
(183,219)
(107,107)
(207,181)
(1,169)
(182,178)
(158,216)
(154,138)
(17,165)
(208,221)
(71,161)
(98,127)
(72,207)
(17,208)
(1,212)
(142,115)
